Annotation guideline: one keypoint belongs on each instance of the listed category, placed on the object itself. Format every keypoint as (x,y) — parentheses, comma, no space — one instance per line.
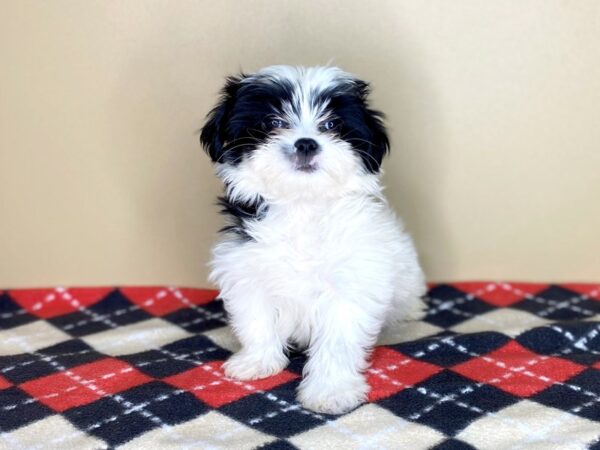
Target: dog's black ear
(379,143)
(214,132)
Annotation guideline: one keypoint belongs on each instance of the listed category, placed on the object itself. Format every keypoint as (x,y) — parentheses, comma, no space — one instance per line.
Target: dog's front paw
(245,365)
(332,396)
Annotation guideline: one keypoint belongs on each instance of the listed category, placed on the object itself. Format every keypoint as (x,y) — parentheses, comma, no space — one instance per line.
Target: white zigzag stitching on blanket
(78,379)
(103,377)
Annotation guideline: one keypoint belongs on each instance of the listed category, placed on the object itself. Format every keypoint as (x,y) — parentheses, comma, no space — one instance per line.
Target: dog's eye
(276,123)
(328,125)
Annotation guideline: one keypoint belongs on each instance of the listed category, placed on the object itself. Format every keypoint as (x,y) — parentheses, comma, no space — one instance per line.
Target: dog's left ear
(379,143)
(214,132)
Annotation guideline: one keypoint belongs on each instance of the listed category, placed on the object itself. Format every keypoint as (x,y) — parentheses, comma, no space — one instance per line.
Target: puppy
(312,256)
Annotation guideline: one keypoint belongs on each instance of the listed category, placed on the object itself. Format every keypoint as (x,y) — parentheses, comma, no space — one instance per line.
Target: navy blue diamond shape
(115,301)
(581,398)
(72,353)
(275,412)
(78,324)
(17,409)
(199,319)
(169,404)
(178,357)
(447,402)
(279,444)
(453,444)
(67,354)
(23,367)
(157,364)
(577,341)
(110,420)
(194,344)
(101,316)
(452,312)
(11,314)
(448,351)
(563,306)
(595,444)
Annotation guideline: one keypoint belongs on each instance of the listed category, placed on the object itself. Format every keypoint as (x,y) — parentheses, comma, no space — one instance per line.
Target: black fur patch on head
(360,126)
(235,126)
(239,213)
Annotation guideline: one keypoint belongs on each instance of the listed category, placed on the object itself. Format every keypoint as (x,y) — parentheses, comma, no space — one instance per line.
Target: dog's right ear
(213,136)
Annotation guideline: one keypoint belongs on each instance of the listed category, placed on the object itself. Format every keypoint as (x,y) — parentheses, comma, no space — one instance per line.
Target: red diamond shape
(4,383)
(84,384)
(47,303)
(500,294)
(392,372)
(591,290)
(160,301)
(209,384)
(517,370)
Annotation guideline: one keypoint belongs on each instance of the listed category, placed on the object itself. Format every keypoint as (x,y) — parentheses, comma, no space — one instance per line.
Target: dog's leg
(253,320)
(334,380)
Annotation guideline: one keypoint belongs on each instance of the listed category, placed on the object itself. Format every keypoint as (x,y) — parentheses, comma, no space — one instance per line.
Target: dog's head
(291,132)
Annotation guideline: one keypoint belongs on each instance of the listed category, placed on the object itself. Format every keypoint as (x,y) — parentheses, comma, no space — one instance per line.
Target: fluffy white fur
(328,266)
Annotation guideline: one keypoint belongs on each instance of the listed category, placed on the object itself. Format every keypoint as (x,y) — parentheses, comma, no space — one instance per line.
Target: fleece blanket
(492,366)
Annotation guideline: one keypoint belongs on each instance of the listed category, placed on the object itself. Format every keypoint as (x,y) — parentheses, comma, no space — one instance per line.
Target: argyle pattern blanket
(492,366)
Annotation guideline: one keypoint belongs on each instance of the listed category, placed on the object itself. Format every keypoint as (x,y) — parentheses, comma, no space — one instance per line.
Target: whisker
(363,152)
(241,142)
(362,140)
(229,149)
(265,134)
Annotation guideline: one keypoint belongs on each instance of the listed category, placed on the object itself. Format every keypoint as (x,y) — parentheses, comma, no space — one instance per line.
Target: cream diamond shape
(408,331)
(509,321)
(211,431)
(135,338)
(224,338)
(369,426)
(29,338)
(52,432)
(532,426)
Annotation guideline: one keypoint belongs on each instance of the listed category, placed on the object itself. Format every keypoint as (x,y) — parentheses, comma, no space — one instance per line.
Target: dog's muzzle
(306,151)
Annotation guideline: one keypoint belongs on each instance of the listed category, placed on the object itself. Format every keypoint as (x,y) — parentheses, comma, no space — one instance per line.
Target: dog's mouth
(305,163)
(308,168)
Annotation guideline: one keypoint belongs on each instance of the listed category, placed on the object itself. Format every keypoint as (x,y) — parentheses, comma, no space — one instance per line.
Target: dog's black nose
(306,145)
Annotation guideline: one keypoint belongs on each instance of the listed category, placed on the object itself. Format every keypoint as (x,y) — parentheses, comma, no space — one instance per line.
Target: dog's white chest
(295,243)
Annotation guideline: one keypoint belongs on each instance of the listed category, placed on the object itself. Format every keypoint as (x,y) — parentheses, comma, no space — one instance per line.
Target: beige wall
(493,108)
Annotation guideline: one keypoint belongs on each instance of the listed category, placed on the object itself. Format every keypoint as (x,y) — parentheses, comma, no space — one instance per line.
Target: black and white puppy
(312,256)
